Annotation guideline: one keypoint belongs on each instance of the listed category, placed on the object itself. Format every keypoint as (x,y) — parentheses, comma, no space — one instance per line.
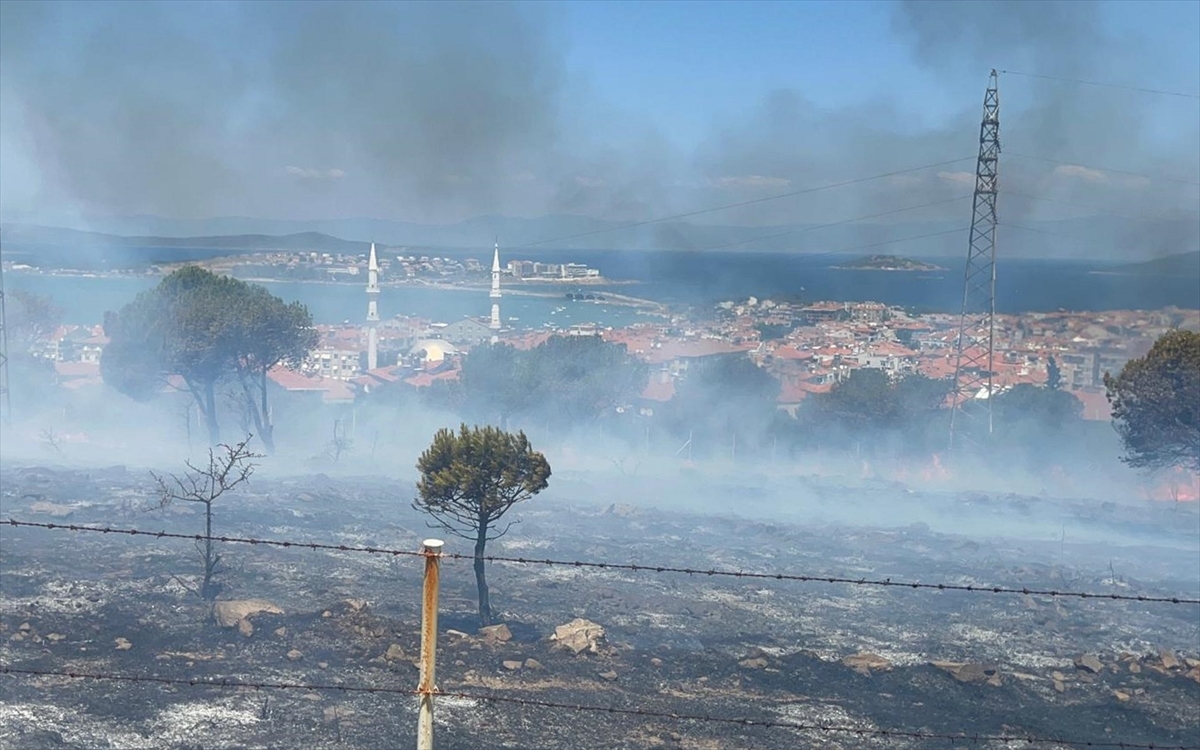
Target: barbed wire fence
(493,697)
(630,567)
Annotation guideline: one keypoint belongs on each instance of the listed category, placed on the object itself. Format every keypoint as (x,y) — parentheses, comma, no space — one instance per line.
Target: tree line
(209,333)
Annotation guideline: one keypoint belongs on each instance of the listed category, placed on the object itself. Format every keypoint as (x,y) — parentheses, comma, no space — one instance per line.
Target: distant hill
(1182,264)
(22,234)
(1091,239)
(55,247)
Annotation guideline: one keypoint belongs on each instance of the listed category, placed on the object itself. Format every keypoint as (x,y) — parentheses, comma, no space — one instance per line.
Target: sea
(677,278)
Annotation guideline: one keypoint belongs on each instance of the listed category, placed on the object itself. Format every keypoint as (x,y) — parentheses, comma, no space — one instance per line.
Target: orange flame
(935,470)
(1180,486)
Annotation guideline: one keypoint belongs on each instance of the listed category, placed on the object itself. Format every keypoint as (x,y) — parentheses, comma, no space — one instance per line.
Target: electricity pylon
(972,395)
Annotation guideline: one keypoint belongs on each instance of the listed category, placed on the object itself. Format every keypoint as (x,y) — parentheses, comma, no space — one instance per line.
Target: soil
(697,645)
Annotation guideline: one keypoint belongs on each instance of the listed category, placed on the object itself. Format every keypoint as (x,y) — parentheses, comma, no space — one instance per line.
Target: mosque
(432,349)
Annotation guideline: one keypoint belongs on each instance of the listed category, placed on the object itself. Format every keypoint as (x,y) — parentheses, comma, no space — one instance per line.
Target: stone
(512,665)
(394,653)
(457,634)
(337,713)
(25,627)
(1194,673)
(1089,662)
(51,509)
(610,675)
(281,632)
(865,662)
(293,655)
(245,628)
(1121,695)
(756,663)
(1169,660)
(229,612)
(496,633)
(968,672)
(1058,676)
(55,637)
(1191,663)
(123,644)
(533,664)
(356,605)
(323,664)
(1059,686)
(579,635)
(1134,667)
(656,662)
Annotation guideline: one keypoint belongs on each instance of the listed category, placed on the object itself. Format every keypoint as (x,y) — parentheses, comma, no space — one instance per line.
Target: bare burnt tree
(228,466)
(340,443)
(51,441)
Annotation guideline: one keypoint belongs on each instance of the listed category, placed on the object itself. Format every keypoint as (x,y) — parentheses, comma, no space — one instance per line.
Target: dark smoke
(437,112)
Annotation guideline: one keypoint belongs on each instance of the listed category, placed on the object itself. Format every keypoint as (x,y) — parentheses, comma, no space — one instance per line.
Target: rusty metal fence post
(429,611)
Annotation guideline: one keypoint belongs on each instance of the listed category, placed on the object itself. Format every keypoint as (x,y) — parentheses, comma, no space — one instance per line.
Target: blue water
(84,301)
(1022,286)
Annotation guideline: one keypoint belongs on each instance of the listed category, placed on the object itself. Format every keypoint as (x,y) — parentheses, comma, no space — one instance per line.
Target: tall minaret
(495,295)
(372,311)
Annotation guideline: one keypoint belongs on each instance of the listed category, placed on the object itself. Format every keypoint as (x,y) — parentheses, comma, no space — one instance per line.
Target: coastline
(897,270)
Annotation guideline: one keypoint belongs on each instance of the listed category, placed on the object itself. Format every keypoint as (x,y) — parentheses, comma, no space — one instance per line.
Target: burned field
(857,658)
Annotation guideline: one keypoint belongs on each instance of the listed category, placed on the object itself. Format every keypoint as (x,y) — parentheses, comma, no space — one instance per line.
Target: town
(807,347)
(395,266)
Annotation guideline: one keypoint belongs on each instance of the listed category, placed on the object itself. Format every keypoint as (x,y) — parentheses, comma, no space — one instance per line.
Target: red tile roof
(1095,404)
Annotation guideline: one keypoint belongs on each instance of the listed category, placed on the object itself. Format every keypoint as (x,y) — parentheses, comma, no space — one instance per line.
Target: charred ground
(927,661)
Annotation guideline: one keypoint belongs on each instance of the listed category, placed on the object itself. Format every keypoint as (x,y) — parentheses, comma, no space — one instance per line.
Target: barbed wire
(226,684)
(631,567)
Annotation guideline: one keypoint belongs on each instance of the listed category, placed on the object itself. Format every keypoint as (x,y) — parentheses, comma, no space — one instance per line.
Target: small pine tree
(470,479)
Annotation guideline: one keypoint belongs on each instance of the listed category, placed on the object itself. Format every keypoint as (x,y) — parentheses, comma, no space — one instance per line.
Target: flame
(1180,486)
(935,470)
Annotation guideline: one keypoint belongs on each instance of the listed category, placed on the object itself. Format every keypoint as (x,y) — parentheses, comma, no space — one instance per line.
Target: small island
(888,263)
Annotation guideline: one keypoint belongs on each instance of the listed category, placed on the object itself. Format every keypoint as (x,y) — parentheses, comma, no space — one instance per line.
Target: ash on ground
(844,656)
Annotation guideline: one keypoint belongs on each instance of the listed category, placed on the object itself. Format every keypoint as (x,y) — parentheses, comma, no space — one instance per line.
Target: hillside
(24,234)
(888,263)
(1181,264)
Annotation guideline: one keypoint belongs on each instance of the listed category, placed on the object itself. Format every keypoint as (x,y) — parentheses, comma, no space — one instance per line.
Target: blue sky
(624,110)
(649,56)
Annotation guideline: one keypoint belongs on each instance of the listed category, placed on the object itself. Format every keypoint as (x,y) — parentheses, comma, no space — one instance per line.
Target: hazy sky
(621,110)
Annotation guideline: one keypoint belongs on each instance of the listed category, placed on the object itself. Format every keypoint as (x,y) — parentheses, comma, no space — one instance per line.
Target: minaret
(372,311)
(495,295)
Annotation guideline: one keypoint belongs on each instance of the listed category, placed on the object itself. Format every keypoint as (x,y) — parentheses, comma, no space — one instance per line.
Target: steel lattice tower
(972,395)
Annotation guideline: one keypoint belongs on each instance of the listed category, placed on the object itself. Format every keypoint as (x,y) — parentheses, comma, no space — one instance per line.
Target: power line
(632,567)
(927,235)
(840,222)
(1101,84)
(1030,196)
(226,684)
(1102,169)
(740,204)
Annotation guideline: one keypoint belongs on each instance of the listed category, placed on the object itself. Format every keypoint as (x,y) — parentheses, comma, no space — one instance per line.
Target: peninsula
(888,263)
